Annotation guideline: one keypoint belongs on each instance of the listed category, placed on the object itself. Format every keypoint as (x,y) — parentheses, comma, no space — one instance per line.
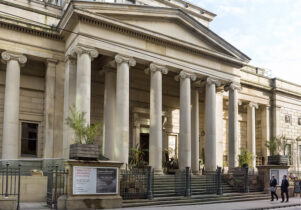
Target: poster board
(95,180)
(278,174)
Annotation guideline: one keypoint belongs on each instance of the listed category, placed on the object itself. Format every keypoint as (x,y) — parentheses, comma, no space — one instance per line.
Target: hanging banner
(95,180)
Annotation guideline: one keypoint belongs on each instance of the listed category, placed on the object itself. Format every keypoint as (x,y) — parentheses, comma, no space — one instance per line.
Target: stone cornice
(21,26)
(125,59)
(7,56)
(153,67)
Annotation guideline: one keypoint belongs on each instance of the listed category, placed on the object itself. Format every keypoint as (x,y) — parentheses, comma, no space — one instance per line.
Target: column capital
(211,81)
(106,69)
(252,104)
(50,61)
(79,50)
(184,75)
(153,67)
(7,56)
(125,59)
(232,86)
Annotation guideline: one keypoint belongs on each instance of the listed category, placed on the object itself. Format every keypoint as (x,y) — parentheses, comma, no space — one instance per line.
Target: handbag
(273,189)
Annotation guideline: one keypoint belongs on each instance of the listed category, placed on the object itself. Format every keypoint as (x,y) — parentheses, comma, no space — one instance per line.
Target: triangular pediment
(175,29)
(172,25)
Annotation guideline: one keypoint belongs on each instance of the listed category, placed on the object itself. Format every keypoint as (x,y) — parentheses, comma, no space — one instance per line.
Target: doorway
(144,145)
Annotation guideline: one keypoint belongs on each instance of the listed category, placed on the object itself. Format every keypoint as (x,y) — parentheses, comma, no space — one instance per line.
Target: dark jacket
(273,182)
(284,185)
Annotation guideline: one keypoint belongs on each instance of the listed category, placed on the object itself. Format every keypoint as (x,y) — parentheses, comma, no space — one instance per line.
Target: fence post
(247,180)
(187,182)
(219,181)
(19,185)
(149,183)
(55,189)
(6,179)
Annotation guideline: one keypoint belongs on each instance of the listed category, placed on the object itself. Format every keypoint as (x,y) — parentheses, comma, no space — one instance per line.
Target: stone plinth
(9,203)
(264,176)
(90,201)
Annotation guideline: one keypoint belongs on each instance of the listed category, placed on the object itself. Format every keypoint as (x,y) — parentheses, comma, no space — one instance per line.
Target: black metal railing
(136,183)
(11,182)
(57,185)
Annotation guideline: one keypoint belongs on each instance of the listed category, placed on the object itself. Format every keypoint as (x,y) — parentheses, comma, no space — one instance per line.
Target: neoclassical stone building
(151,72)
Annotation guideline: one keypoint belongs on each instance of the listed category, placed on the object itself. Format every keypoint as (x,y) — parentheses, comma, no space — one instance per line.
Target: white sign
(95,180)
(278,174)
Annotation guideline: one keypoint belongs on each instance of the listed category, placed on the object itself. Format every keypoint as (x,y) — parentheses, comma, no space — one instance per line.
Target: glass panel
(29,139)
(172,146)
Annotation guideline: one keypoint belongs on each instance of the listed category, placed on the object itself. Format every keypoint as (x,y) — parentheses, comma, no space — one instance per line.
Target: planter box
(84,151)
(278,160)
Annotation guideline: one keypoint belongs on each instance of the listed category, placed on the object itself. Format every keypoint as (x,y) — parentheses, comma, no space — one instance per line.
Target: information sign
(95,180)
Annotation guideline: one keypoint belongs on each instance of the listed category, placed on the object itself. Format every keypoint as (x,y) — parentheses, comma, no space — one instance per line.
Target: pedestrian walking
(284,188)
(273,186)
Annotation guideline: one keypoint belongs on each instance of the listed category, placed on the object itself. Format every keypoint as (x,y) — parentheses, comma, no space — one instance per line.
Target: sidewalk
(250,205)
(260,204)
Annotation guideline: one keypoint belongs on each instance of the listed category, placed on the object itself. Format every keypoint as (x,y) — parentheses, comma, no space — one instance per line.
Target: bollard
(6,188)
(149,183)
(219,190)
(246,180)
(187,182)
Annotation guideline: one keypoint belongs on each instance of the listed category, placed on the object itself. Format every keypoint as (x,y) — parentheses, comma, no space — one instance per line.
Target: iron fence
(136,183)
(182,182)
(10,182)
(238,179)
(57,185)
(30,165)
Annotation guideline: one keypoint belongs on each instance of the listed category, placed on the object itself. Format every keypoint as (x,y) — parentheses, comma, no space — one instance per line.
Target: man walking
(284,188)
(273,185)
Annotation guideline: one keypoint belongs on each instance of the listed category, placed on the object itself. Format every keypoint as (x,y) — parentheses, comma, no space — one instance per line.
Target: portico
(146,86)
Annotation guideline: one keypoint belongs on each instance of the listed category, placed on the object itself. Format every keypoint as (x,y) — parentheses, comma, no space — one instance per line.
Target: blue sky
(268,31)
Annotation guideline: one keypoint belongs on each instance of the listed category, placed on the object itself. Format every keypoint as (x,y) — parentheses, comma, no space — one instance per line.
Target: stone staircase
(168,191)
(197,200)
(170,185)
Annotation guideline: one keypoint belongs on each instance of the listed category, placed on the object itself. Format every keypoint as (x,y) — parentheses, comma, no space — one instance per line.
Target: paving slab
(245,205)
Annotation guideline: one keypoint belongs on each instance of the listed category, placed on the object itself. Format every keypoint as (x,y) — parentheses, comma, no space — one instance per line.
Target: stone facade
(148,72)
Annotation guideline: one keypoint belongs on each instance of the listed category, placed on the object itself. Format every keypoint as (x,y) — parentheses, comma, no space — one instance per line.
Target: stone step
(165,201)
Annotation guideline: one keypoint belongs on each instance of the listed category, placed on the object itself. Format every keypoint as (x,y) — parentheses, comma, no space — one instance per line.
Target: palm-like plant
(271,145)
(84,134)
(245,158)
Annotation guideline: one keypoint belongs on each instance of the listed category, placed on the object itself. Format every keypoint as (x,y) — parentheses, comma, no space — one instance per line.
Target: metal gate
(11,182)
(57,185)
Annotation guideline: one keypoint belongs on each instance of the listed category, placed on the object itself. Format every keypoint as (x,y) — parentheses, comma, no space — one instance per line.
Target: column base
(158,171)
(196,172)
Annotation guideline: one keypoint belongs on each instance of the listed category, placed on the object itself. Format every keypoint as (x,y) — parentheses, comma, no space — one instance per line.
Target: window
(29,139)
(173,146)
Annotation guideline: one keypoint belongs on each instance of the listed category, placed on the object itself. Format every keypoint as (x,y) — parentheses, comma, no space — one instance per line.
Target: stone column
(265,124)
(155,135)
(83,79)
(233,125)
(210,108)
(109,113)
(69,101)
(185,119)
(10,140)
(195,117)
(49,107)
(251,133)
(122,108)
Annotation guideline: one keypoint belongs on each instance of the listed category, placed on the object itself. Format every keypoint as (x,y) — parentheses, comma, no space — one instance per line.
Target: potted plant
(137,157)
(276,147)
(83,147)
(245,158)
